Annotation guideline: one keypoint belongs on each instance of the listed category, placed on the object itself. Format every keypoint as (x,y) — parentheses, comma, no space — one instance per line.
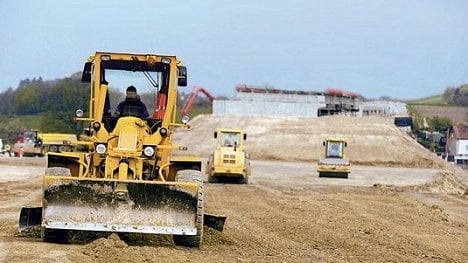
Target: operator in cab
(132,105)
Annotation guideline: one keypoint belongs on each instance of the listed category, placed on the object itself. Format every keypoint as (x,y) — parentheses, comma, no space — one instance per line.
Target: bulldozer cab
(230,138)
(334,147)
(150,75)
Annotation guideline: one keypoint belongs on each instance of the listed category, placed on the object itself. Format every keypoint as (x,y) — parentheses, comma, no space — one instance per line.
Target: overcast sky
(399,48)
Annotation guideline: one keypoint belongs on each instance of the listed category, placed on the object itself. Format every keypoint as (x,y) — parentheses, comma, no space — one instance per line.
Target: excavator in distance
(129,181)
(193,95)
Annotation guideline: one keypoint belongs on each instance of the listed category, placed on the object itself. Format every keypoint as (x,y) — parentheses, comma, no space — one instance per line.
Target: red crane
(193,95)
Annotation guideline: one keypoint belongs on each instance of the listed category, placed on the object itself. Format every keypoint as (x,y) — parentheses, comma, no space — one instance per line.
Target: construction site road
(285,214)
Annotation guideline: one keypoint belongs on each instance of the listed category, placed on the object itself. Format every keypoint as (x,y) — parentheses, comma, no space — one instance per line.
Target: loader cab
(151,82)
(111,74)
(334,148)
(230,138)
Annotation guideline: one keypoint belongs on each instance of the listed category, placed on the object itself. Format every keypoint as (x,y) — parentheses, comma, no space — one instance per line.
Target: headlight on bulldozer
(79,113)
(96,126)
(101,148)
(148,151)
(163,131)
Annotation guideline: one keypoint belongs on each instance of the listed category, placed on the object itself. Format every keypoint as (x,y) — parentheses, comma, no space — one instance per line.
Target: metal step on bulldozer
(129,181)
(334,164)
(229,162)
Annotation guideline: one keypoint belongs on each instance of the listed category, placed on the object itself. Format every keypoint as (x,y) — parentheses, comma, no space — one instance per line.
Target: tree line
(456,95)
(52,102)
(36,96)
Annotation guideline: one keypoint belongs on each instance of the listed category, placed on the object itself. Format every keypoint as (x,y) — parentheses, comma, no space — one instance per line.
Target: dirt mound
(104,249)
(112,241)
(449,181)
(371,140)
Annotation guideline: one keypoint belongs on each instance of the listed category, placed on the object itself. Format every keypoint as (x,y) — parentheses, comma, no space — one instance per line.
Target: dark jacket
(132,107)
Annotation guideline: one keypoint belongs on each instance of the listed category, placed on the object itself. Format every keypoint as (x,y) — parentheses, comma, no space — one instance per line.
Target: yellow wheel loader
(229,161)
(334,164)
(129,181)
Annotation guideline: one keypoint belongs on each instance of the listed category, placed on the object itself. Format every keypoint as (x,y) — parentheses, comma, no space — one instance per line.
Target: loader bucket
(120,206)
(30,217)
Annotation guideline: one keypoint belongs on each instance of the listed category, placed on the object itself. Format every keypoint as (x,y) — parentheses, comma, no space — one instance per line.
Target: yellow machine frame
(335,163)
(129,181)
(229,160)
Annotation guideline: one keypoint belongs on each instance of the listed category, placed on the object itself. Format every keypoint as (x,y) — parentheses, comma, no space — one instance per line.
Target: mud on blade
(116,206)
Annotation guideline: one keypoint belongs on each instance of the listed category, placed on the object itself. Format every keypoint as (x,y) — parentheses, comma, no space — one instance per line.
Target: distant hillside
(453,104)
(452,96)
(433,100)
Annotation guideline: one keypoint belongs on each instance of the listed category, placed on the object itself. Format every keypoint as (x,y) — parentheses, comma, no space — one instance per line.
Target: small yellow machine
(129,181)
(229,161)
(334,164)
(36,143)
(59,142)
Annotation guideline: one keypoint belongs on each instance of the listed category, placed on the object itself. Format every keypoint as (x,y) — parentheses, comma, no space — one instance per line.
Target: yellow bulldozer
(334,164)
(129,181)
(229,161)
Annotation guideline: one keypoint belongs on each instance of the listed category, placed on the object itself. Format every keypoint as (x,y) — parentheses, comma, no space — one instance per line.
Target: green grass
(433,100)
(23,122)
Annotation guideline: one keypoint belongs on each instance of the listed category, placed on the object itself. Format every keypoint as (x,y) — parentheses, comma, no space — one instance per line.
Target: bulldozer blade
(30,217)
(120,206)
(214,221)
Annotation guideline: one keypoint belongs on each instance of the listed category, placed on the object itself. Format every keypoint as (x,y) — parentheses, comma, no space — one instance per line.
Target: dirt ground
(400,204)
